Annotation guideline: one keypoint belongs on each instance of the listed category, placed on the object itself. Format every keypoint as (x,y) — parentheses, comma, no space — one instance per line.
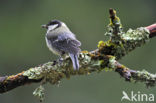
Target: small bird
(60,40)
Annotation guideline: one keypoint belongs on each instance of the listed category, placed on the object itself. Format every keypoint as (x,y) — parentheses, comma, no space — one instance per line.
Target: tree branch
(10,82)
(103,58)
(152,29)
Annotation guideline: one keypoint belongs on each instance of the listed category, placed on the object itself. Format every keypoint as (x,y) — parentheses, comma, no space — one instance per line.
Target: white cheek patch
(52,27)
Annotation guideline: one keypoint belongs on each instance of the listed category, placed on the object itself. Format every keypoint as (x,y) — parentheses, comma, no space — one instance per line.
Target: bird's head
(54,25)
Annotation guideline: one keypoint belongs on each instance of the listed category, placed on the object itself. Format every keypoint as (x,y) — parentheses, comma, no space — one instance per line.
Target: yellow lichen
(101,44)
(85,52)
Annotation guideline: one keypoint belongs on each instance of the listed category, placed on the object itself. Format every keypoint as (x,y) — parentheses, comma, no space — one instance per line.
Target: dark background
(22,45)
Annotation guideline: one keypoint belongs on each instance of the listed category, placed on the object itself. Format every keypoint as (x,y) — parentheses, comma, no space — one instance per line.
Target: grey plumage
(60,40)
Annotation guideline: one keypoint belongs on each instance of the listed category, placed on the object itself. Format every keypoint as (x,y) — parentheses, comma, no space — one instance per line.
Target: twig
(152,29)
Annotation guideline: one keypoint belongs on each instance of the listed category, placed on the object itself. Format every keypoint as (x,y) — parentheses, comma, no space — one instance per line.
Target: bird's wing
(66,44)
(68,38)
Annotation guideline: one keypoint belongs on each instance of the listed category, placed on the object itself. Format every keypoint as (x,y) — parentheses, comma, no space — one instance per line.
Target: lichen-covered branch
(135,76)
(10,82)
(105,57)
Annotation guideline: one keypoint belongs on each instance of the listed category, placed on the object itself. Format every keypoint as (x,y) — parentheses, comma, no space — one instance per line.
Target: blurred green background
(22,45)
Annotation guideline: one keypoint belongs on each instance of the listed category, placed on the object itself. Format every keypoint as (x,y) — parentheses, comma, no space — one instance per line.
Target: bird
(61,41)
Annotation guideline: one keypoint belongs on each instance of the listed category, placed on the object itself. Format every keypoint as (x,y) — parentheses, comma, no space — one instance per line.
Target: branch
(152,29)
(10,82)
(136,76)
(104,58)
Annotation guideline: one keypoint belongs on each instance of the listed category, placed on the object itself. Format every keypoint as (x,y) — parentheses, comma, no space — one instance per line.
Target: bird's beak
(44,26)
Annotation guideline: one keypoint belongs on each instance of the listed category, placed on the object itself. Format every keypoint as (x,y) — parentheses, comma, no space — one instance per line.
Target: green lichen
(49,72)
(34,73)
(39,93)
(112,62)
(127,42)
(135,38)
(114,29)
(85,58)
(140,34)
(144,76)
(111,48)
(116,21)
(121,43)
(108,69)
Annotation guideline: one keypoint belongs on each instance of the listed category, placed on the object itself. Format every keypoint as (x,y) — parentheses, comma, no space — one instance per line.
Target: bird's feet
(60,61)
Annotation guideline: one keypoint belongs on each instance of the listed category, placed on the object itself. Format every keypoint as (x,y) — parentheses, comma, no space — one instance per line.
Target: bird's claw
(60,61)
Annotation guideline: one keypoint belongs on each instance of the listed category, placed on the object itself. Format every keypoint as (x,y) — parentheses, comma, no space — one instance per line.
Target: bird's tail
(75,61)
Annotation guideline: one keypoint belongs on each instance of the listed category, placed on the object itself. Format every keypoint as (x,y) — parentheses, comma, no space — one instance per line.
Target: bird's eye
(51,23)
(54,22)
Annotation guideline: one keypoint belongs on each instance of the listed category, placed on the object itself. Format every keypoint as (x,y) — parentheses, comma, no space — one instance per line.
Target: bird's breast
(51,48)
